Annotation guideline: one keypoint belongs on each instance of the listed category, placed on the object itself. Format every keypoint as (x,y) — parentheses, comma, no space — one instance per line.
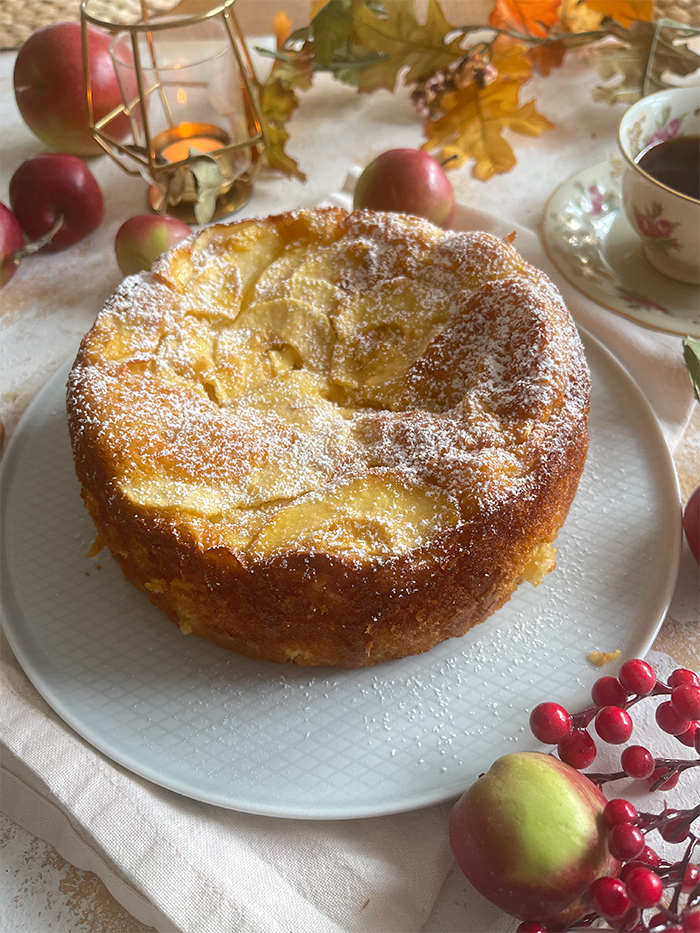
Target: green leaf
(207,178)
(333,45)
(691,355)
(350,68)
(332,26)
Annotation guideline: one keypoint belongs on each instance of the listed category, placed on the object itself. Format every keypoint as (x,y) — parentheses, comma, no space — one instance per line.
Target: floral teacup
(667,221)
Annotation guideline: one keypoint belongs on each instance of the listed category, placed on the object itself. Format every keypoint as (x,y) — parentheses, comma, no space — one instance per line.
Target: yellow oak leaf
(529,17)
(577,16)
(474,119)
(404,41)
(624,11)
(512,62)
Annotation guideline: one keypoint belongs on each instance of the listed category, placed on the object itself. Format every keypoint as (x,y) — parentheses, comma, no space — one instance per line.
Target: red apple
(530,836)
(691,523)
(50,88)
(407,181)
(142,239)
(11,239)
(52,185)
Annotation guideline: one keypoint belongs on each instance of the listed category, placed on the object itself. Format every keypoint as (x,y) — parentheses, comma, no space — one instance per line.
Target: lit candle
(180,150)
(176,145)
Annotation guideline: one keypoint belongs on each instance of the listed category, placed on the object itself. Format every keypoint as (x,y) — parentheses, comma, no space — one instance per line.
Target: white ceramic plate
(325,743)
(591,242)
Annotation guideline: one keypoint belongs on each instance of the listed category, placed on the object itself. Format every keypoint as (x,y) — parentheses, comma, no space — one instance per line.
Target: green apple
(531,838)
(407,181)
(140,240)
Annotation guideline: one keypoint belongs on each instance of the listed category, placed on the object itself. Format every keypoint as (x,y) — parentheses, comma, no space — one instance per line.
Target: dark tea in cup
(659,140)
(674,163)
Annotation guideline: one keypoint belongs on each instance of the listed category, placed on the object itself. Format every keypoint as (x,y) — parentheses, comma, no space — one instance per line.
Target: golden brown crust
(331,438)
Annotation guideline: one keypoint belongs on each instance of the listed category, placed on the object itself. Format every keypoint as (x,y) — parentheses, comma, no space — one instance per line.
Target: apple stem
(34,247)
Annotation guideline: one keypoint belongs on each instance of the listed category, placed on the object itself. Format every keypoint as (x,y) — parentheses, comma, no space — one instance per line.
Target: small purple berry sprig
(651,895)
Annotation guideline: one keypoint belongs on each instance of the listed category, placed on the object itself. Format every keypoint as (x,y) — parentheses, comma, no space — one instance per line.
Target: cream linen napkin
(180,865)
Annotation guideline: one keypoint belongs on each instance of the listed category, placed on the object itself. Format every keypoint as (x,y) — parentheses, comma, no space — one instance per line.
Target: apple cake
(331,438)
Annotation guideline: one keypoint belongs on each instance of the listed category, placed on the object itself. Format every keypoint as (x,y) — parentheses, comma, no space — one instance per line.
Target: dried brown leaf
(278,101)
(628,63)
(546,57)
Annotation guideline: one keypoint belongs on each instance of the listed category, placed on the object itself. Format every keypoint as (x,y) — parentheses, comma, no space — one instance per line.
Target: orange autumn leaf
(474,119)
(533,18)
(624,11)
(529,17)
(283,28)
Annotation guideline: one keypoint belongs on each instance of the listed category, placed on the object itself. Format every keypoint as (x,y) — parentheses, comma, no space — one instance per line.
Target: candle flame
(181,96)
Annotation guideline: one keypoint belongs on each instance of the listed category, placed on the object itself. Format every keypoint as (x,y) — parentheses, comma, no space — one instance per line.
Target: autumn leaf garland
(466,79)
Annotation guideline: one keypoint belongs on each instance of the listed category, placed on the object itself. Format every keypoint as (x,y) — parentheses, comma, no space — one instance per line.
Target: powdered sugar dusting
(319,356)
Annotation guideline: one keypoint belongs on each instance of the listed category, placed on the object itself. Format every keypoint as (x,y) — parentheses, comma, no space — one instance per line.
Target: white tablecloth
(177,864)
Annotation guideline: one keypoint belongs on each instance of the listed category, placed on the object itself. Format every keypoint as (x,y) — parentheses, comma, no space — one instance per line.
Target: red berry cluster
(646,882)
(644,876)
(612,697)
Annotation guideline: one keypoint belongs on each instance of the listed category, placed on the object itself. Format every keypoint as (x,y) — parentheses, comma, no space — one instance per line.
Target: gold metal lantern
(190,120)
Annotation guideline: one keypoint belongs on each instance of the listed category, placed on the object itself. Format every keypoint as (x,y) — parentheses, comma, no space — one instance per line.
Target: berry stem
(649,821)
(680,871)
(582,719)
(674,765)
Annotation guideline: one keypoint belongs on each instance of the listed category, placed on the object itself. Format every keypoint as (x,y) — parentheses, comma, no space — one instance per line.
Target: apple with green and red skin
(530,837)
(53,185)
(50,87)
(143,238)
(407,181)
(11,240)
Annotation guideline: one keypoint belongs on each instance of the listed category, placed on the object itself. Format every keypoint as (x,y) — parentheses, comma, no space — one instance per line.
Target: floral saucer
(591,242)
